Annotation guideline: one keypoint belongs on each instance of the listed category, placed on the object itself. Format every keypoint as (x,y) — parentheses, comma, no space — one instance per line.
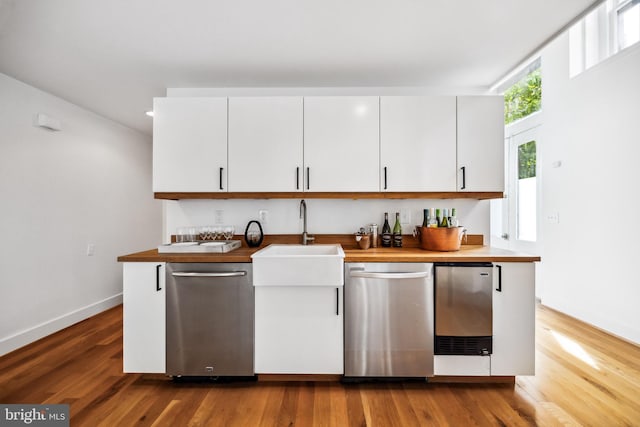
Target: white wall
(591,124)
(60,191)
(339,216)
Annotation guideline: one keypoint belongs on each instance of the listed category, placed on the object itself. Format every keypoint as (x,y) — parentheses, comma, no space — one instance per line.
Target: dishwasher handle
(212,274)
(375,275)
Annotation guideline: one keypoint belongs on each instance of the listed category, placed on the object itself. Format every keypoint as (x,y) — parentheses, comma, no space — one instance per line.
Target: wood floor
(584,377)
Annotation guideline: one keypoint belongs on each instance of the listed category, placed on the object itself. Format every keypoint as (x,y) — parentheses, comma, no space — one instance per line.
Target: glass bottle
(386,232)
(445,219)
(433,221)
(453,222)
(426,219)
(397,232)
(438,218)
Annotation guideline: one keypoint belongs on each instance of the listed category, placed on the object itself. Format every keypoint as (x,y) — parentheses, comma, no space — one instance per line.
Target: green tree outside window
(527,160)
(523,98)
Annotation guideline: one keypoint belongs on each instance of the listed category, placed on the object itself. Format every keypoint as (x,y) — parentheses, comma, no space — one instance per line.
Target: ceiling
(112,57)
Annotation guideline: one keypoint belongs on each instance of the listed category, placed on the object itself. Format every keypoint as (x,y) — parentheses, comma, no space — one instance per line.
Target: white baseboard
(13,342)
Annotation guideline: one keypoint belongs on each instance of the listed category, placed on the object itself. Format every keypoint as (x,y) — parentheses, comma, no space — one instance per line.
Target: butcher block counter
(472,252)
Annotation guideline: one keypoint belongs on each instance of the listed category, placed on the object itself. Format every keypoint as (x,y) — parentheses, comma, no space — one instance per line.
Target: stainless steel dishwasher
(210,311)
(388,320)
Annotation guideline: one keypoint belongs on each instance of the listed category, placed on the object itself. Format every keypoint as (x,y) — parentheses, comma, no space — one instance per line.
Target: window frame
(622,7)
(597,35)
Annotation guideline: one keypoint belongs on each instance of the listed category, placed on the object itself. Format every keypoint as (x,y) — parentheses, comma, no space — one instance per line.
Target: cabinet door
(299,330)
(144,317)
(341,143)
(418,143)
(513,319)
(481,143)
(190,145)
(265,144)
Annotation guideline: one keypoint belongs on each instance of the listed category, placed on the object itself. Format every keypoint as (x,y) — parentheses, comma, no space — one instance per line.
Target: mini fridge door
(463,308)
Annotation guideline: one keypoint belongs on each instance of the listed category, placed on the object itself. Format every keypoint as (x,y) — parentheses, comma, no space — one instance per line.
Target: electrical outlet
(405,216)
(263,214)
(553,218)
(91,249)
(219,216)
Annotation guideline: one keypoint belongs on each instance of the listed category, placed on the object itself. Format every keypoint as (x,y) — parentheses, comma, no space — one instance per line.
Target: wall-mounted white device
(47,122)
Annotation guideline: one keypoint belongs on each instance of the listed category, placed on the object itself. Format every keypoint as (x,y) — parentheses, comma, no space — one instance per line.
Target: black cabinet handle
(221,169)
(385,177)
(308,178)
(464,177)
(158,288)
(337,301)
(298,178)
(499,289)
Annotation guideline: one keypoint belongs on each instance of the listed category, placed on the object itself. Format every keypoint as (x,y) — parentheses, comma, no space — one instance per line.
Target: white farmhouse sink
(299,265)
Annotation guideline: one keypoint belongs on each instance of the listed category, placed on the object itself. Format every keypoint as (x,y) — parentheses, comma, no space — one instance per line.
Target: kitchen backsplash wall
(324,216)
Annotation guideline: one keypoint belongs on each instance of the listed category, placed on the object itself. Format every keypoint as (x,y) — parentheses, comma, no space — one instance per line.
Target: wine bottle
(425,220)
(397,232)
(386,232)
(438,218)
(433,221)
(445,220)
(453,221)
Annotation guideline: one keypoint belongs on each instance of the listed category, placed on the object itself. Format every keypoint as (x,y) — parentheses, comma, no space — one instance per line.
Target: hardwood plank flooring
(583,377)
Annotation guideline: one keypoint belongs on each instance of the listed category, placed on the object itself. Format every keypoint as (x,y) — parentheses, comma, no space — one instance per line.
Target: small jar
(373,230)
(363,241)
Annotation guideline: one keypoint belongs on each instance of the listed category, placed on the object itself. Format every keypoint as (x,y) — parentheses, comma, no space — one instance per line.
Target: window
(526,192)
(628,22)
(608,29)
(524,97)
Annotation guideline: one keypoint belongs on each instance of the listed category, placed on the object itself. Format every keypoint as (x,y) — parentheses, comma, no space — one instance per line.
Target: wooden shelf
(336,195)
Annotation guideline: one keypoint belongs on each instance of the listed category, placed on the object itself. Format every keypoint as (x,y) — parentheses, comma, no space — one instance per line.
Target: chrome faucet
(306,238)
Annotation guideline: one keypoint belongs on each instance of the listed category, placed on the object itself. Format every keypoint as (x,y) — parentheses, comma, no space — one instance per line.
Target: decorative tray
(200,247)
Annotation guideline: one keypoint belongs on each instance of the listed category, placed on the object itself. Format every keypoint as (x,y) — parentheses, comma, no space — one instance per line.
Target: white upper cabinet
(190,145)
(265,144)
(481,143)
(341,143)
(418,143)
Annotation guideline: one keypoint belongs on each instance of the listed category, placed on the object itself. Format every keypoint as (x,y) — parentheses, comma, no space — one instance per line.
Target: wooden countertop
(467,253)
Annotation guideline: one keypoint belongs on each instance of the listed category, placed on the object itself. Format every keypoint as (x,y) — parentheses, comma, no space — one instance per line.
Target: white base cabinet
(299,330)
(144,317)
(513,319)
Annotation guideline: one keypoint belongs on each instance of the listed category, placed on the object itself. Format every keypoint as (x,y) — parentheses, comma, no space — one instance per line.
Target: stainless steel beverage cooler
(463,308)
